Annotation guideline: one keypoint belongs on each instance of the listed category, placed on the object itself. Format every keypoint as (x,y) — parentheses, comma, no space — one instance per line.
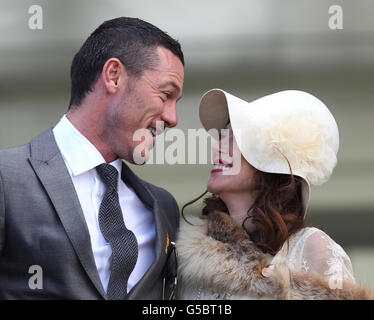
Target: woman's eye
(224,133)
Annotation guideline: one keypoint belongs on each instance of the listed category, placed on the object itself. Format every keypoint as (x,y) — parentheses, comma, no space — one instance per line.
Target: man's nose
(170,116)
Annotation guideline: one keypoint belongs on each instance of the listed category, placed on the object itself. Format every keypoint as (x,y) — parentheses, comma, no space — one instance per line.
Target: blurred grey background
(248,48)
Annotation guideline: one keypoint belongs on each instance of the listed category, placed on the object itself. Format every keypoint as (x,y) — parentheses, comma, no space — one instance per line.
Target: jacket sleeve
(2,216)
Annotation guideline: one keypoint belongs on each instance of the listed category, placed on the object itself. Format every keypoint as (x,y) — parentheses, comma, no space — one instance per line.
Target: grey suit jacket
(42,224)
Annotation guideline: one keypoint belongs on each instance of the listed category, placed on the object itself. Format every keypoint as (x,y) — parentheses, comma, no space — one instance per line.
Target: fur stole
(216,253)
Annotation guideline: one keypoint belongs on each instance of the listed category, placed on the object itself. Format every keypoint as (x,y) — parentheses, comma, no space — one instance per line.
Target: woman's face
(231,172)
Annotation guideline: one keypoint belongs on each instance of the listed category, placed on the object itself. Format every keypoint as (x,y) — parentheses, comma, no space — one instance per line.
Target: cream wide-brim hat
(286,129)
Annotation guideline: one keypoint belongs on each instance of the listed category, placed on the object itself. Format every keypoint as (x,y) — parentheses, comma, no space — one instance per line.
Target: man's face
(143,102)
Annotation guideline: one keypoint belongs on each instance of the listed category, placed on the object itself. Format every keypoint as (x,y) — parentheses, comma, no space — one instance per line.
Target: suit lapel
(162,226)
(50,167)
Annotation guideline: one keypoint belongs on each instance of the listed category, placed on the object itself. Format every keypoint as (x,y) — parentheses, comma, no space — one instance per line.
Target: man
(76,222)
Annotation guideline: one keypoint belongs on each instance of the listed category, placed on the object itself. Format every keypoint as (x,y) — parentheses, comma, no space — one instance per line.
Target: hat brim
(214,113)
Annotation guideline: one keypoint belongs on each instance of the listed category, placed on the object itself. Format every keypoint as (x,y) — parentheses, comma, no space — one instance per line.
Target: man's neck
(90,127)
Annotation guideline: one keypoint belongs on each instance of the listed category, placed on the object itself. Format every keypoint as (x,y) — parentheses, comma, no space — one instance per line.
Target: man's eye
(166,95)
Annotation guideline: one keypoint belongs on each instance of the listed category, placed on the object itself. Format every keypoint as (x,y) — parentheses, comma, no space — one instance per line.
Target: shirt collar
(79,153)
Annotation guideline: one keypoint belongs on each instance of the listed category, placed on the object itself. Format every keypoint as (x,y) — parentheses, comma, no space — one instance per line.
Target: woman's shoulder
(314,236)
(305,233)
(315,241)
(293,248)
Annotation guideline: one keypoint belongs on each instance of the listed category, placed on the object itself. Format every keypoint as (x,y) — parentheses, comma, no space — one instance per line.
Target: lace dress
(312,250)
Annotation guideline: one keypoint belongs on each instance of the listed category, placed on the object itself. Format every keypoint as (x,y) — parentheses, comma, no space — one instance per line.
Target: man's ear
(114,75)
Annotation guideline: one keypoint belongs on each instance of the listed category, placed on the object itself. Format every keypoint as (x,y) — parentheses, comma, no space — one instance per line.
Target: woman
(251,242)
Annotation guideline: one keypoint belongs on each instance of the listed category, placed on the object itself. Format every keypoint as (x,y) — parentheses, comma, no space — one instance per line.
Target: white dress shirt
(81,157)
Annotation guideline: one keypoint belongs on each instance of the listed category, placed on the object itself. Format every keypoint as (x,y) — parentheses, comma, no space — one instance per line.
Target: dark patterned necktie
(123,242)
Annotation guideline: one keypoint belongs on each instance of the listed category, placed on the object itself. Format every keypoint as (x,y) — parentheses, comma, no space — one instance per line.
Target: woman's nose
(215,147)
(221,146)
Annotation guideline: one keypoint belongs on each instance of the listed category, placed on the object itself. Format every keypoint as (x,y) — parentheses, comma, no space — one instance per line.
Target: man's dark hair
(131,40)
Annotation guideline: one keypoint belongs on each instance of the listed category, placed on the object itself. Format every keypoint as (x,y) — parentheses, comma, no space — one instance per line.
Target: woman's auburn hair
(277,211)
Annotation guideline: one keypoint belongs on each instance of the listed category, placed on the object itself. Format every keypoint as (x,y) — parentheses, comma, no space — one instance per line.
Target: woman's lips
(222,162)
(220,166)
(216,170)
